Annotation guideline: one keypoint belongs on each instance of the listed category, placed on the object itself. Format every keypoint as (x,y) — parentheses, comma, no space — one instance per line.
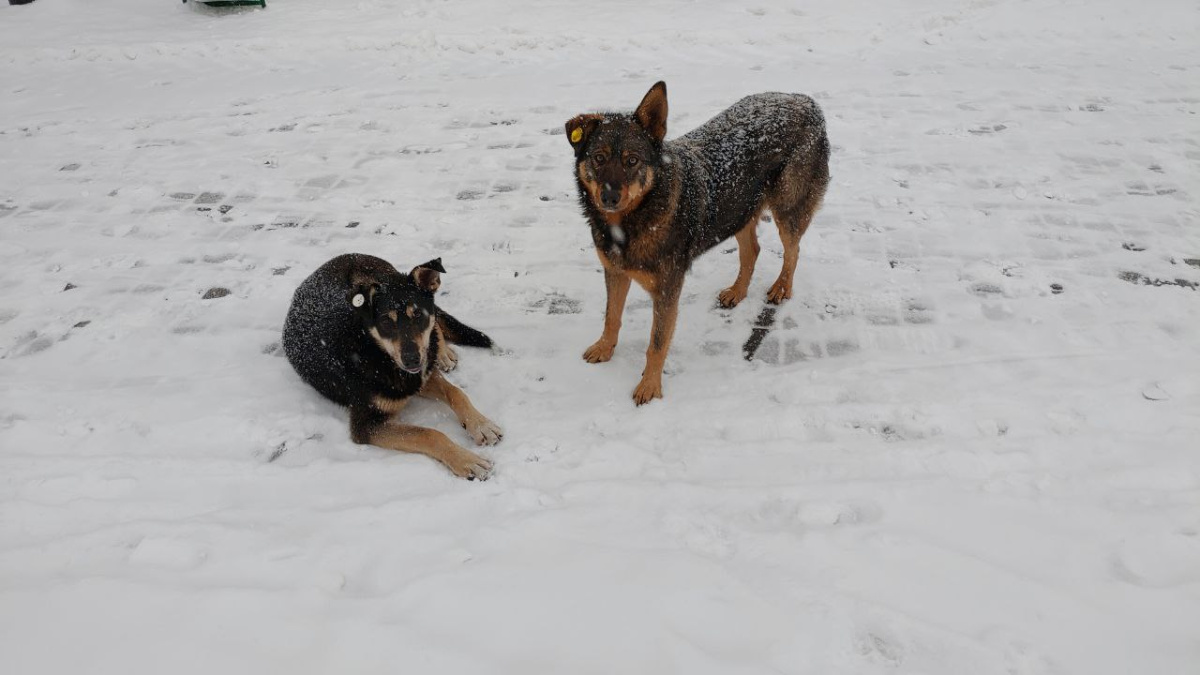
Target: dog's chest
(632,247)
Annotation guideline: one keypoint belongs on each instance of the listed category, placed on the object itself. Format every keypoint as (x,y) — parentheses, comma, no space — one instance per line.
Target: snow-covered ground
(967,446)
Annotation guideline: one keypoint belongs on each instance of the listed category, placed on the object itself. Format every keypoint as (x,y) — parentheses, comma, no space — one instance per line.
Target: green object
(232,3)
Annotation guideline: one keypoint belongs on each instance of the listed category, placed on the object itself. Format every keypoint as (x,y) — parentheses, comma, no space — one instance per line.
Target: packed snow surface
(968,445)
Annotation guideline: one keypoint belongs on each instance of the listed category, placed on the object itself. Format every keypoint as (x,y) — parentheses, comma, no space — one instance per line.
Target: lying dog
(655,206)
(369,338)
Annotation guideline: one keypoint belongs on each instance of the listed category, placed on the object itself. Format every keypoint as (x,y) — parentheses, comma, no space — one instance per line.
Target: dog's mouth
(411,370)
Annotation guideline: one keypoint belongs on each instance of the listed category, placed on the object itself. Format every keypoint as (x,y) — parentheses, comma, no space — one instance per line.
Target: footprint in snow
(176,554)
(1165,560)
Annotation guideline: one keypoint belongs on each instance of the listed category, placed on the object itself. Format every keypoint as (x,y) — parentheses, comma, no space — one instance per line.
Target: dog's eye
(631,161)
(599,158)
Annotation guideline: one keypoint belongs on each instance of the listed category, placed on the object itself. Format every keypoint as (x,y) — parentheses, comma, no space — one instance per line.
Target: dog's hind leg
(459,333)
(747,240)
(368,426)
(782,288)
(794,202)
(482,430)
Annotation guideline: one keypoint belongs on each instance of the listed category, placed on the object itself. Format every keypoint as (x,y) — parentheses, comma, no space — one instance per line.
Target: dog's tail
(459,333)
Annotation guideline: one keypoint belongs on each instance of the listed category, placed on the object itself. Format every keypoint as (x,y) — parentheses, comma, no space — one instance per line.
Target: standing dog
(655,206)
(370,338)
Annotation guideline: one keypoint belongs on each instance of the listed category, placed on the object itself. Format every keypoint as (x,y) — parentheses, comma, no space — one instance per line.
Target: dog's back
(319,333)
(746,152)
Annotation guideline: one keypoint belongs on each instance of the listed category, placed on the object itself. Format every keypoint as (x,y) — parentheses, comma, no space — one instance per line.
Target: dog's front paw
(466,464)
(647,390)
(483,431)
(730,297)
(600,352)
(447,359)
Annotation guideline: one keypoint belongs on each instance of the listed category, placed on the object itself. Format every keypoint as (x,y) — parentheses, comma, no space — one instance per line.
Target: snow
(966,445)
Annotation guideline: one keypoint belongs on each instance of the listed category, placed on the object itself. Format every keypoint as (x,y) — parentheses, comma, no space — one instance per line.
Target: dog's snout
(410,358)
(610,198)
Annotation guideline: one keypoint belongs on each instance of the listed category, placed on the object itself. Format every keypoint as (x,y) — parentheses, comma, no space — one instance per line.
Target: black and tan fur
(370,338)
(654,206)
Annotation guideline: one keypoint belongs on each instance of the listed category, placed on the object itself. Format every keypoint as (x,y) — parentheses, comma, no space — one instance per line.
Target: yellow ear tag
(577,134)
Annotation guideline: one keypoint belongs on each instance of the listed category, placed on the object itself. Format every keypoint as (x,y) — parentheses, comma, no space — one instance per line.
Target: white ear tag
(359,300)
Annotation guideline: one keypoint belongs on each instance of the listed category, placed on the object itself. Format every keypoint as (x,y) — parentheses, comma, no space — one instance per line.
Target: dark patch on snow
(467,195)
(280,271)
(762,326)
(983,289)
(1194,262)
(82,324)
(225,208)
(882,320)
(1056,288)
(1142,279)
(917,312)
(69,286)
(278,452)
(841,347)
(73,166)
(353,224)
(1130,246)
(215,292)
(183,196)
(556,303)
(209,197)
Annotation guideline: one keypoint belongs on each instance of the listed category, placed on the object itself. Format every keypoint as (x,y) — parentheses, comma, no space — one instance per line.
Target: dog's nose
(610,198)
(410,359)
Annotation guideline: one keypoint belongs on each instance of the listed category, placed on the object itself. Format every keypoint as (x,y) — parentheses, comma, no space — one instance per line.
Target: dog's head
(617,156)
(399,313)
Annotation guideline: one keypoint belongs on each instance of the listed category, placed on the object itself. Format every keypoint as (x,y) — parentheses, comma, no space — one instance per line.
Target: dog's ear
(428,276)
(580,128)
(362,296)
(435,265)
(651,113)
